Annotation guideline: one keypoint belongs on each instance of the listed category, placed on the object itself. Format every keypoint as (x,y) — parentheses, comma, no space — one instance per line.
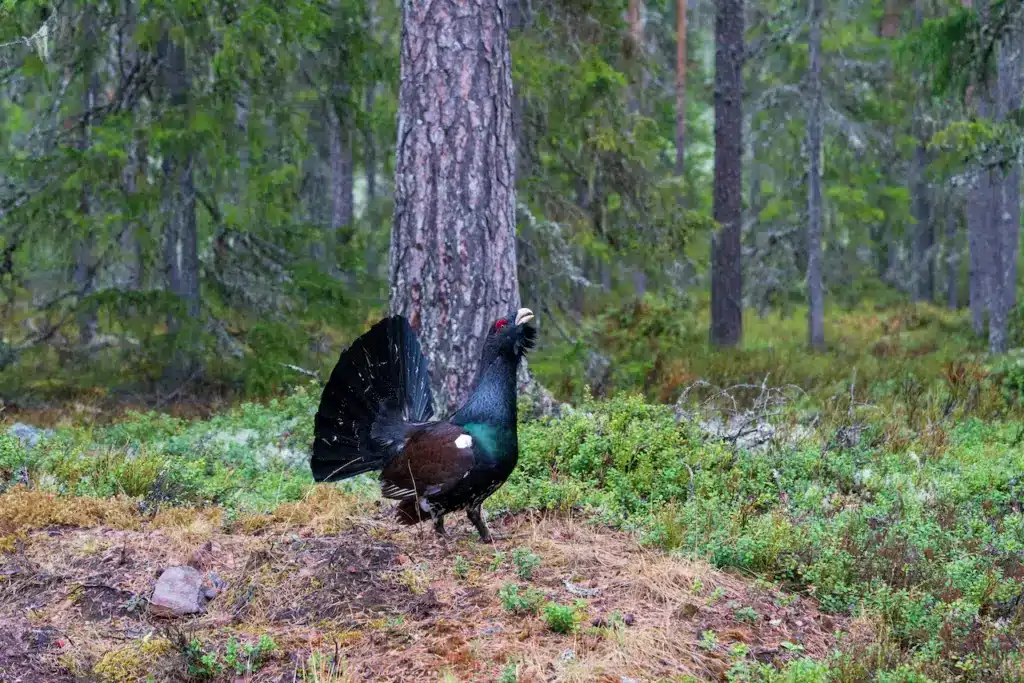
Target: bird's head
(511,336)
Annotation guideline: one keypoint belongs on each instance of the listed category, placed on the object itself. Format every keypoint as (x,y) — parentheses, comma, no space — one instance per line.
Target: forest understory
(867,526)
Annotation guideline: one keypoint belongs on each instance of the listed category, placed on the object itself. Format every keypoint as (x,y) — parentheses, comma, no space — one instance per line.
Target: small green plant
(461,567)
(785,600)
(518,601)
(739,650)
(562,618)
(716,595)
(202,665)
(497,560)
(509,674)
(526,561)
(747,614)
(791,647)
(708,640)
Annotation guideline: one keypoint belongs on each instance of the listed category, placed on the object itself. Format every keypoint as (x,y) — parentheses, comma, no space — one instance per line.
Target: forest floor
(373,602)
(847,516)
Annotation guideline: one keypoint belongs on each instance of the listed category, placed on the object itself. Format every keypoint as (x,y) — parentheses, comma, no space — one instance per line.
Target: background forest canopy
(197,198)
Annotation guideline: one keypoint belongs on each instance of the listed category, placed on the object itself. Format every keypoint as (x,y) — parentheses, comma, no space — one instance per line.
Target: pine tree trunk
(726,266)
(130,278)
(181,242)
(1004,237)
(924,236)
(634,16)
(816,310)
(339,142)
(370,149)
(680,87)
(978,214)
(131,246)
(85,247)
(453,249)
(977,225)
(952,255)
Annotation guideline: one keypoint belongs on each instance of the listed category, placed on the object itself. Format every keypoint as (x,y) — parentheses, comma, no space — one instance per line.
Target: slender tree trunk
(85,266)
(135,168)
(339,143)
(952,255)
(726,266)
(680,86)
(370,149)
(977,225)
(453,249)
(1004,236)
(131,246)
(181,242)
(369,139)
(924,235)
(978,216)
(816,310)
(634,15)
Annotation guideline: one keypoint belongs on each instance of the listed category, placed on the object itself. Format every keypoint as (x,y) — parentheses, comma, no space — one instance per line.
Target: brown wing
(430,463)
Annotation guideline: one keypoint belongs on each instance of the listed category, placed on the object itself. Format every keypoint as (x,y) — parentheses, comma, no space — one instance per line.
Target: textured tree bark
(634,16)
(680,86)
(816,309)
(726,266)
(453,249)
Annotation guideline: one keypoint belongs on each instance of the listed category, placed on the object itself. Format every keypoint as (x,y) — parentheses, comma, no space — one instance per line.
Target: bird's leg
(476,517)
(439,527)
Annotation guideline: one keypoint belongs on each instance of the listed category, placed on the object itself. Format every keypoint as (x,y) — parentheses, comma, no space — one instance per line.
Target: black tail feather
(382,377)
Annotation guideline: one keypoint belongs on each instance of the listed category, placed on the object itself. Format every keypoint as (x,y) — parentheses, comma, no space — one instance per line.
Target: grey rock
(28,435)
(178,592)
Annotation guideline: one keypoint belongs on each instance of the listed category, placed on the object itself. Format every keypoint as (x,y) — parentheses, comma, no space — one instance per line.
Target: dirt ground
(378,603)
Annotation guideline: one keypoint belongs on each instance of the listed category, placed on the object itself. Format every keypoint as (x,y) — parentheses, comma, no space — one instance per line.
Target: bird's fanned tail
(380,384)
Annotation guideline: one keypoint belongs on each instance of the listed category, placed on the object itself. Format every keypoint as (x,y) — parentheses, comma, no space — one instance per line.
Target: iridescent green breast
(493,441)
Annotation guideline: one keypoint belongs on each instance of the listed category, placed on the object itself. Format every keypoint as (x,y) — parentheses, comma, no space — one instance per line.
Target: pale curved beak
(523,315)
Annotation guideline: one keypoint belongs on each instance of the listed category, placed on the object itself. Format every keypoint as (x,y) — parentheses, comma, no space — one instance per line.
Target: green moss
(132,663)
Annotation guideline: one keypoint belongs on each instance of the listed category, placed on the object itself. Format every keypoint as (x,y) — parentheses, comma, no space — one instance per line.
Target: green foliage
(519,601)
(202,665)
(205,663)
(526,562)
(509,674)
(563,618)
(461,567)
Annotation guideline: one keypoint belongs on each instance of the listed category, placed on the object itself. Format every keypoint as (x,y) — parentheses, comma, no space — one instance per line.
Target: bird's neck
(493,400)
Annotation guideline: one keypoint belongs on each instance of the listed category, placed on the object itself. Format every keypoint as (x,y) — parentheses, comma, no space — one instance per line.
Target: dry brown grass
(377,601)
(24,509)
(325,510)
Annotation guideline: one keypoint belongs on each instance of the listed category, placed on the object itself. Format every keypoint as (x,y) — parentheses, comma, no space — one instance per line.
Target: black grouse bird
(375,414)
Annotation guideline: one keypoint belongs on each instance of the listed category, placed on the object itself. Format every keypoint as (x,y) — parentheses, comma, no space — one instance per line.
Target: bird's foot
(441,531)
(493,537)
(476,517)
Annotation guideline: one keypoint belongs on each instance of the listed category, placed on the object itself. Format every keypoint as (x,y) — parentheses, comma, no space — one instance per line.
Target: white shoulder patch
(464,441)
